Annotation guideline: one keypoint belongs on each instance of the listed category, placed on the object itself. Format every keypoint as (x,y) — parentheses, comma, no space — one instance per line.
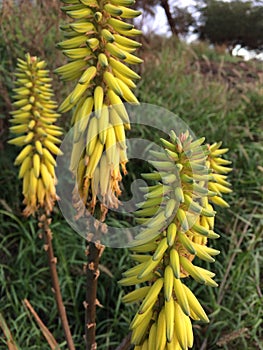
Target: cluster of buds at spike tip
(99,46)
(33,124)
(177,219)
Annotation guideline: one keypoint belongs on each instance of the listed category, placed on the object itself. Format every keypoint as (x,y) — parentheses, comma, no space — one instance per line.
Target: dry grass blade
(125,344)
(104,269)
(5,205)
(231,336)
(49,337)
(10,341)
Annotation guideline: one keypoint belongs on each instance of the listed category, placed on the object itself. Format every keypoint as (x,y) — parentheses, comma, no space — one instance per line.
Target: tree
(183,19)
(232,23)
(171,20)
(179,18)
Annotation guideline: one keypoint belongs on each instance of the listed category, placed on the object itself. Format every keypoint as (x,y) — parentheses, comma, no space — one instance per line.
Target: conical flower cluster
(99,44)
(178,219)
(33,117)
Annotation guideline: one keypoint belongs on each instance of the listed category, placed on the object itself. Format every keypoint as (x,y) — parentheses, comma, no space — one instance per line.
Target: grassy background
(219,97)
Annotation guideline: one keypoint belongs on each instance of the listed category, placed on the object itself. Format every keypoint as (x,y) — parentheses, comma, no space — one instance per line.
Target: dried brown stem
(45,223)
(125,344)
(94,252)
(9,339)
(45,331)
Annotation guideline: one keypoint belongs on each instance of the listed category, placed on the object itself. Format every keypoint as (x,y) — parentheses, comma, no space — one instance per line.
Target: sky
(159,23)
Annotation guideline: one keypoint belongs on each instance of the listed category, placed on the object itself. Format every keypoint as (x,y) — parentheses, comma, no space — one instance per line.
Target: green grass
(213,107)
(24,274)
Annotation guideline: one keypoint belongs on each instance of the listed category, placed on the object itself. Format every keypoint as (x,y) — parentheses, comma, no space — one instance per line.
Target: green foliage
(27,26)
(232,23)
(24,273)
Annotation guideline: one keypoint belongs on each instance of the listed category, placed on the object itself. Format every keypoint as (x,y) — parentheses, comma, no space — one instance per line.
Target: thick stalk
(45,222)
(94,252)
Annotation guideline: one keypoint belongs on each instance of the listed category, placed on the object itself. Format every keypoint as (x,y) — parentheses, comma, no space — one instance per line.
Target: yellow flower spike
(33,118)
(173,235)
(98,45)
(217,165)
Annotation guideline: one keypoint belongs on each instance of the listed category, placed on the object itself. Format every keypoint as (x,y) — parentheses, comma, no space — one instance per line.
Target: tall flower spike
(99,44)
(32,119)
(178,220)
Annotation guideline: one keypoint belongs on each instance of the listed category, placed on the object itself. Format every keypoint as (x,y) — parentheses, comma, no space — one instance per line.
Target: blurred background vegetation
(220,97)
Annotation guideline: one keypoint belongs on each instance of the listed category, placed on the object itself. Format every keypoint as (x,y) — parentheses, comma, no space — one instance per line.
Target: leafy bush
(27,26)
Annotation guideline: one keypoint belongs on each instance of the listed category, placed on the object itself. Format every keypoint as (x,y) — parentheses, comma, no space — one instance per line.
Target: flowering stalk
(32,119)
(33,124)
(99,45)
(178,218)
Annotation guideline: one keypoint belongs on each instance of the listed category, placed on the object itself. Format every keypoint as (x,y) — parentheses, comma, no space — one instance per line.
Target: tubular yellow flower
(174,234)
(219,168)
(33,117)
(99,44)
